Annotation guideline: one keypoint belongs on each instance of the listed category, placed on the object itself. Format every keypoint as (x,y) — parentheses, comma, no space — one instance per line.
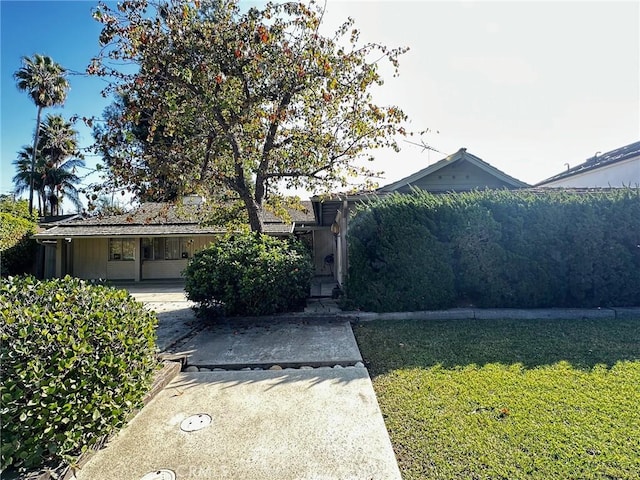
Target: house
(155,241)
(617,168)
(459,172)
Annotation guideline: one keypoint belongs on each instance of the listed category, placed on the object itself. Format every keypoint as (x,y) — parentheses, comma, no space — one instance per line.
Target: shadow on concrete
(233,378)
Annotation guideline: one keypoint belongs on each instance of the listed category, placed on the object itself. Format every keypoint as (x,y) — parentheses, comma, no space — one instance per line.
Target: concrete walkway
(261,418)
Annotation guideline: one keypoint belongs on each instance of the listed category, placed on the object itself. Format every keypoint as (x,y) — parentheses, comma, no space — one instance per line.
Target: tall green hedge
(17,249)
(76,359)
(521,249)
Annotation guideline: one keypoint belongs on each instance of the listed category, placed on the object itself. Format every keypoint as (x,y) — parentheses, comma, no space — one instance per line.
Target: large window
(165,248)
(121,249)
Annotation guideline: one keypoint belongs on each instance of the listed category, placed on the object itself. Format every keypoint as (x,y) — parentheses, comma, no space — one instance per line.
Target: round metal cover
(195,422)
(162,474)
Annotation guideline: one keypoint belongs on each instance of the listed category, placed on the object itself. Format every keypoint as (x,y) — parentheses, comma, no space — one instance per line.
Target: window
(161,248)
(121,249)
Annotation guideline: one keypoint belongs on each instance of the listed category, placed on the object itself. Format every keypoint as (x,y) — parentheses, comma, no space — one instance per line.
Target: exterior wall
(323,245)
(90,260)
(121,270)
(90,256)
(625,173)
(459,176)
(152,269)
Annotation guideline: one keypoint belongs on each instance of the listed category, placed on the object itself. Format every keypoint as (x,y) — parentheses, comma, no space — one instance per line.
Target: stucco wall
(625,173)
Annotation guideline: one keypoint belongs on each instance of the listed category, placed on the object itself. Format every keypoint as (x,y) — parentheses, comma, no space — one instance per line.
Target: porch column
(137,254)
(59,257)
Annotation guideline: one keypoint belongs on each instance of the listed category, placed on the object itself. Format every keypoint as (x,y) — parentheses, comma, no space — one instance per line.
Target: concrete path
(287,343)
(268,421)
(293,424)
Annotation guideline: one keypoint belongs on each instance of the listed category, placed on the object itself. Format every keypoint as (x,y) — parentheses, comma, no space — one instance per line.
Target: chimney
(193,200)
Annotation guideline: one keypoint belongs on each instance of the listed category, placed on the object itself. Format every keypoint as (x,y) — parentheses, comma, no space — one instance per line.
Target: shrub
(522,249)
(76,360)
(250,274)
(17,250)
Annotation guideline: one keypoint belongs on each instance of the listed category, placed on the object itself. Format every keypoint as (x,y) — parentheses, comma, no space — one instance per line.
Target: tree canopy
(239,104)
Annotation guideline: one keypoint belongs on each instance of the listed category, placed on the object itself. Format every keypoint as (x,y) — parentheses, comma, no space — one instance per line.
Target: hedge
(250,274)
(76,360)
(17,249)
(521,249)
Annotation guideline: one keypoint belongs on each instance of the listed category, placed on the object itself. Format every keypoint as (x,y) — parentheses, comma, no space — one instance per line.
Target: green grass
(509,399)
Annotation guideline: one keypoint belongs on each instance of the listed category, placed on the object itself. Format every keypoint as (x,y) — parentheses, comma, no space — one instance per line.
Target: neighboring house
(153,242)
(459,172)
(617,168)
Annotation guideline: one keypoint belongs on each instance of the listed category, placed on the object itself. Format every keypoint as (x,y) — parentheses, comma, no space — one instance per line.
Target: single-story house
(459,172)
(617,168)
(156,240)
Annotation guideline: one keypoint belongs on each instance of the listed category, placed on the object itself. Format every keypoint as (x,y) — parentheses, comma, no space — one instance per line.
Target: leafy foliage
(250,274)
(505,249)
(17,207)
(238,103)
(76,360)
(17,250)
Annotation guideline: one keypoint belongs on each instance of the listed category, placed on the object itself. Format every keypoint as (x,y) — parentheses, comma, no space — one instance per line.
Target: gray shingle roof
(163,219)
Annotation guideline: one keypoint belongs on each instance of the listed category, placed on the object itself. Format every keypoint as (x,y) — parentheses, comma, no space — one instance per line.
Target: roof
(327,206)
(598,161)
(459,156)
(164,219)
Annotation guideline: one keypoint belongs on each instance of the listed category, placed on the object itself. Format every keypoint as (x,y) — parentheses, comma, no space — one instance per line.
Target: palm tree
(54,173)
(26,179)
(60,182)
(59,141)
(44,80)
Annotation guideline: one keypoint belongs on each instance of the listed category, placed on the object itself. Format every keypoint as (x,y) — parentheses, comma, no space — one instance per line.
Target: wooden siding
(457,177)
(90,257)
(91,261)
(323,245)
(153,269)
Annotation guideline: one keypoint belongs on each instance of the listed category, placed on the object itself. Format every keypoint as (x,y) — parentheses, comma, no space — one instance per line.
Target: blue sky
(526,86)
(66,32)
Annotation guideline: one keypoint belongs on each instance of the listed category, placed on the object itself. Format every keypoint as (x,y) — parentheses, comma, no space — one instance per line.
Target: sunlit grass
(497,400)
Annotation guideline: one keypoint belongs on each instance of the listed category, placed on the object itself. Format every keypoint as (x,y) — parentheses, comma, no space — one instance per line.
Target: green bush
(396,262)
(250,274)
(520,249)
(76,360)
(17,250)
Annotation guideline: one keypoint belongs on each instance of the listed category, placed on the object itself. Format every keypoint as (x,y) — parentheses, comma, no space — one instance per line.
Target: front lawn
(475,399)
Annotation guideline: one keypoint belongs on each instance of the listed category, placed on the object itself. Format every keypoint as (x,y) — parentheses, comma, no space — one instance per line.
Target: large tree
(243,101)
(53,175)
(44,80)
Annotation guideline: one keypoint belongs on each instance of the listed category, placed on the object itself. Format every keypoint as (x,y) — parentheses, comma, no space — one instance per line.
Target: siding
(457,177)
(90,258)
(152,269)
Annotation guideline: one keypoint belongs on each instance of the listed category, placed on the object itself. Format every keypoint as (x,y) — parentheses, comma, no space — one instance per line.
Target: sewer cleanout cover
(163,474)
(195,422)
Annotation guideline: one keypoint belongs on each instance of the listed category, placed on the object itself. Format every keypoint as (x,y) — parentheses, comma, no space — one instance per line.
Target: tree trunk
(33,159)
(255,214)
